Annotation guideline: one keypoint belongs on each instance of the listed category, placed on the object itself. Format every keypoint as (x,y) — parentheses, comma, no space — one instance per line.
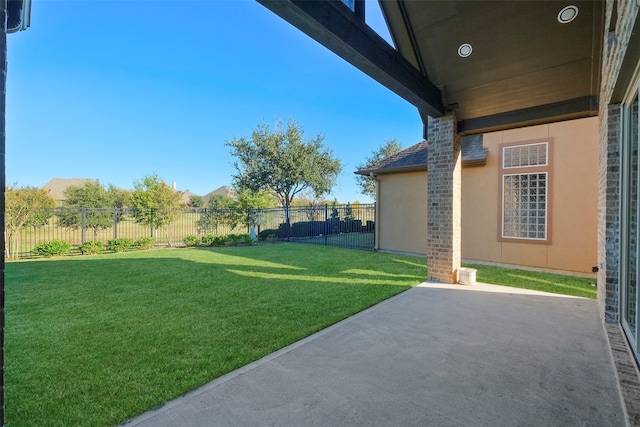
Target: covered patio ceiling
(496,64)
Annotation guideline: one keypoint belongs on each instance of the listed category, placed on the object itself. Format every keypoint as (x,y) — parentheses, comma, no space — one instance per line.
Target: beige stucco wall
(573,210)
(401,224)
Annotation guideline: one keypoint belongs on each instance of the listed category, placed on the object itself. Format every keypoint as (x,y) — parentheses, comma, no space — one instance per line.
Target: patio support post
(3,96)
(443,199)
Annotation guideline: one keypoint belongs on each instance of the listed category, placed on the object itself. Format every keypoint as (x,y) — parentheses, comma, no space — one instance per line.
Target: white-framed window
(526,155)
(524,187)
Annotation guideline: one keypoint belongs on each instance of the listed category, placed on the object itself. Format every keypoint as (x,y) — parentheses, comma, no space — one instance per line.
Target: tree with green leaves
(120,197)
(280,161)
(91,204)
(367,184)
(335,214)
(348,213)
(154,203)
(196,201)
(25,206)
(214,214)
(312,207)
(255,200)
(248,204)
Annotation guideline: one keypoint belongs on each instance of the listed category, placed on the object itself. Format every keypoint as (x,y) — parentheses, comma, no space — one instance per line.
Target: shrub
(236,239)
(353,225)
(207,240)
(300,229)
(91,247)
(309,228)
(191,241)
(52,248)
(213,240)
(145,243)
(272,238)
(266,233)
(221,240)
(120,245)
(284,230)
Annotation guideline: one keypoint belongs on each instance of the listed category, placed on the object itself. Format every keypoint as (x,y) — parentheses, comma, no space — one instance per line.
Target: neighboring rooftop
(415,158)
(57,186)
(225,191)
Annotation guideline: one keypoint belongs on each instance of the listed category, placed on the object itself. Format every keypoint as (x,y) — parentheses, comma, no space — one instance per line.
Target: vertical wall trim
(3,93)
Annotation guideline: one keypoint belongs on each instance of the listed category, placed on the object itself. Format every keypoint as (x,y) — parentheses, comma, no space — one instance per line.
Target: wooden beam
(335,26)
(586,106)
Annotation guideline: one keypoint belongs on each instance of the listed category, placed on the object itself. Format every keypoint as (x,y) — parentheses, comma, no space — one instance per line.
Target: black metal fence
(351,226)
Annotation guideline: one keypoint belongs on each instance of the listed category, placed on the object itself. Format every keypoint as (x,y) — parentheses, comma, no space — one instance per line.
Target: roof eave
(335,26)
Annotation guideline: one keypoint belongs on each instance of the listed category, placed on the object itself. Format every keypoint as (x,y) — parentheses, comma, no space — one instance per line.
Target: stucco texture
(402,202)
(402,212)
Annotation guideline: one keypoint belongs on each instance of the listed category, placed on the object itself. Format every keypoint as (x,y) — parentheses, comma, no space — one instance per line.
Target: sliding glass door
(629,220)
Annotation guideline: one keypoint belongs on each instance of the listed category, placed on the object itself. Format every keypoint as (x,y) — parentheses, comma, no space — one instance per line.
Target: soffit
(525,67)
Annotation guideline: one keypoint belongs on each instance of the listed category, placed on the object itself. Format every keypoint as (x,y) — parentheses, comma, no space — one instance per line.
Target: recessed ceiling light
(567,14)
(465,50)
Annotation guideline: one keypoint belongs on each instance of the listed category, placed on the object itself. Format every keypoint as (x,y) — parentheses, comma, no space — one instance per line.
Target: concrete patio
(436,355)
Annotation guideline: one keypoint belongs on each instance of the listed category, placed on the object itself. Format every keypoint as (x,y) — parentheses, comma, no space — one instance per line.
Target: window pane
(525,155)
(524,207)
(630,309)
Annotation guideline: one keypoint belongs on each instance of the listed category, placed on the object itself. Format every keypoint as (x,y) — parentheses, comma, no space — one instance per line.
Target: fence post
(259,220)
(248,219)
(206,221)
(82,227)
(326,224)
(151,222)
(286,211)
(115,223)
(375,222)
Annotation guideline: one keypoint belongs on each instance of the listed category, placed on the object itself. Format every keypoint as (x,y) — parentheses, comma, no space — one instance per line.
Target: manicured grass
(95,340)
(345,240)
(545,282)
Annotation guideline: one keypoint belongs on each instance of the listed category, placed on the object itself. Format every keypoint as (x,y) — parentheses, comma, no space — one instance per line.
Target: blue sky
(116,90)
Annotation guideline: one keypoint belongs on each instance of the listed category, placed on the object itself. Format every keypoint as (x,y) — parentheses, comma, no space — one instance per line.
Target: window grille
(528,155)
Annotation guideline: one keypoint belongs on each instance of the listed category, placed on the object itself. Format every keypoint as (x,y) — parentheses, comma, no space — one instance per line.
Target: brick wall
(609,212)
(443,200)
(616,41)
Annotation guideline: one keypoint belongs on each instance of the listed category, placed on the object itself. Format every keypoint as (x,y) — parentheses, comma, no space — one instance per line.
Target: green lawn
(95,340)
(345,240)
(545,282)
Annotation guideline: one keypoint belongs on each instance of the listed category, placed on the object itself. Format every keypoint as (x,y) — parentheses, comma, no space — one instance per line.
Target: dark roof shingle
(415,158)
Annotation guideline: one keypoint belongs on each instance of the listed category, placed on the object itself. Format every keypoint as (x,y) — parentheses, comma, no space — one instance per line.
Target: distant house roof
(57,186)
(225,190)
(185,197)
(415,158)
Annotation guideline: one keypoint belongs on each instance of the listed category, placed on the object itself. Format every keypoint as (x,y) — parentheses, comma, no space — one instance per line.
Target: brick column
(443,199)
(609,212)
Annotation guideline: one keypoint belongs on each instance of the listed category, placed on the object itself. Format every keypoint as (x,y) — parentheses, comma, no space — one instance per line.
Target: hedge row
(218,240)
(60,247)
(318,228)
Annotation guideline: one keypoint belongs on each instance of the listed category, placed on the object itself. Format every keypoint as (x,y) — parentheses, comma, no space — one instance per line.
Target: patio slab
(436,355)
